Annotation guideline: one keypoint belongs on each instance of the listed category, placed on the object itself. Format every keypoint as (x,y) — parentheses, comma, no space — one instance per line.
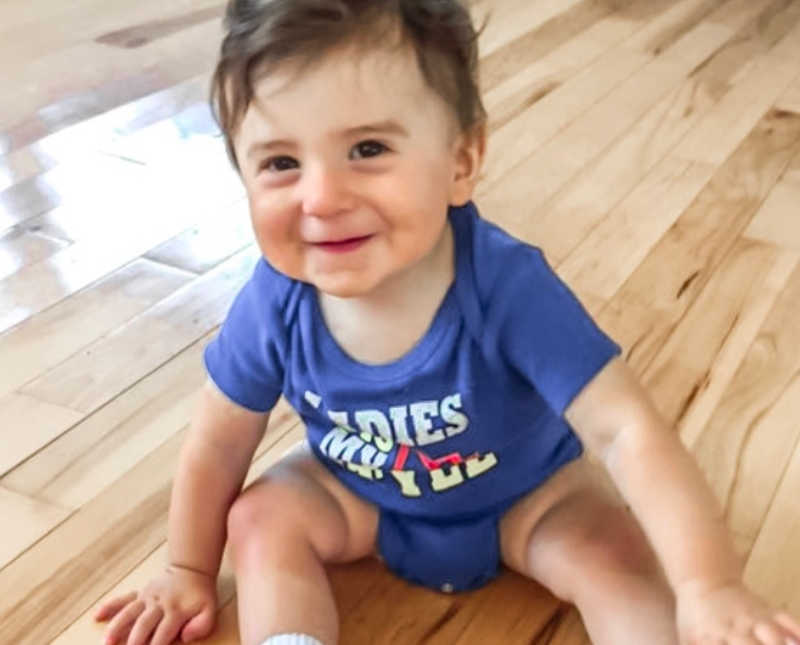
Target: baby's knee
(616,544)
(261,510)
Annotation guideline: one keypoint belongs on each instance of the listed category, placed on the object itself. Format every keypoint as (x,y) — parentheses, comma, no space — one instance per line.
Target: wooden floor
(652,147)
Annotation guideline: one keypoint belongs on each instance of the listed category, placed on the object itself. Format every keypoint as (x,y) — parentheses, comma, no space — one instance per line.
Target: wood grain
(650,147)
(730,448)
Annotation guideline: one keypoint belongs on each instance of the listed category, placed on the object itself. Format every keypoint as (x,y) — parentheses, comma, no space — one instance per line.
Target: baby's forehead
(349,87)
(381,72)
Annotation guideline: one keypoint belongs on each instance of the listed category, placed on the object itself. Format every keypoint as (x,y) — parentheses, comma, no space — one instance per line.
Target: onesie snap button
(447,587)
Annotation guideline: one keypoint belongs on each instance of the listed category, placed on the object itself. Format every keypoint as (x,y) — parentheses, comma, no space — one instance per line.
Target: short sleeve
(545,333)
(245,360)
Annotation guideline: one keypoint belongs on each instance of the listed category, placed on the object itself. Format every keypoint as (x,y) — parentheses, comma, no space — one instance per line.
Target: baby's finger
(168,629)
(769,634)
(111,607)
(789,624)
(145,624)
(122,622)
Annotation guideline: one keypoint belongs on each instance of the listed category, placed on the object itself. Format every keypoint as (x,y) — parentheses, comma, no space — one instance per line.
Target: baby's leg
(282,529)
(575,536)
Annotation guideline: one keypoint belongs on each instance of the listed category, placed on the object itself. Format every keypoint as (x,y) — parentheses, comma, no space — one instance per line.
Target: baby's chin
(342,288)
(354,282)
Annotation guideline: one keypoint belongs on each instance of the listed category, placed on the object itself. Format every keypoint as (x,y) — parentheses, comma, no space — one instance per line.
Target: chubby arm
(658,478)
(181,602)
(211,469)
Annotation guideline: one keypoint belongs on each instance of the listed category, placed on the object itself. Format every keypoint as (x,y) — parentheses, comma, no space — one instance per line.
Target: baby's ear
(469,151)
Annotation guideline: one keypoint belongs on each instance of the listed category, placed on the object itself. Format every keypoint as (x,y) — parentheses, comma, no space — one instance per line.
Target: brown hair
(260,34)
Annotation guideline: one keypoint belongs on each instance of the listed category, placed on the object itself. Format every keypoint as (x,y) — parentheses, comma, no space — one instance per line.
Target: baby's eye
(365,149)
(278,164)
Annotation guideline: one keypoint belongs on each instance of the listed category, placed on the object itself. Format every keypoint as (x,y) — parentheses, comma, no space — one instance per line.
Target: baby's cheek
(273,236)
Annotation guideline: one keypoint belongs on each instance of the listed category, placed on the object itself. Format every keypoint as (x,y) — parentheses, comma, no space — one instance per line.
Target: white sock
(291,639)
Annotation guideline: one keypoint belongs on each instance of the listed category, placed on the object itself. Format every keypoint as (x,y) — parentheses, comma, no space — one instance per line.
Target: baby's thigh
(574,522)
(299,495)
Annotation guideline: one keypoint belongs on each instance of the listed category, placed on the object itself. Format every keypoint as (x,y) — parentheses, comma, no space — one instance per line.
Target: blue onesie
(446,438)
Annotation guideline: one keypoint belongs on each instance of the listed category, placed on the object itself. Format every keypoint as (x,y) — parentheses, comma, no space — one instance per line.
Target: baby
(448,380)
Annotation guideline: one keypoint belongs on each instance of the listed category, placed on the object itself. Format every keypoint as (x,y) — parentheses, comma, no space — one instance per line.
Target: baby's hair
(261,34)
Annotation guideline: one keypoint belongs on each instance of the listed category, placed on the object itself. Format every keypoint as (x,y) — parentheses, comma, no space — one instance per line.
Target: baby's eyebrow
(259,147)
(381,127)
(387,127)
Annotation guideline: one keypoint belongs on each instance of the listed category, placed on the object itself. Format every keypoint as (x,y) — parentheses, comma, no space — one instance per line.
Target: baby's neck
(385,324)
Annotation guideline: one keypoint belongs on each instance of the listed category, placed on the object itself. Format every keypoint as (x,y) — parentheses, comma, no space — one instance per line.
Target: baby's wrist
(177,567)
(700,586)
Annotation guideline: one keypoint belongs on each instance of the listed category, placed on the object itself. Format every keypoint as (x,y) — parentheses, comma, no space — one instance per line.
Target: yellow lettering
(479,465)
(442,481)
(363,471)
(384,444)
(408,486)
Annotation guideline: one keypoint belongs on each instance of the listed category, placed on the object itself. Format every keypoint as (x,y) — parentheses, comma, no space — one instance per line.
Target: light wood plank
(749,421)
(51,583)
(58,579)
(561,223)
(176,135)
(514,142)
(634,227)
(46,283)
(57,75)
(19,248)
(44,341)
(718,135)
(506,63)
(526,608)
(29,424)
(706,392)
(697,280)
(37,19)
(790,101)
(190,182)
(508,99)
(205,246)
(20,165)
(122,447)
(778,220)
(565,220)
(92,182)
(74,143)
(729,312)
(737,15)
(541,175)
(517,18)
(25,520)
(657,294)
(93,376)
(62,470)
(792,174)
(681,17)
(772,567)
(761,24)
(26,199)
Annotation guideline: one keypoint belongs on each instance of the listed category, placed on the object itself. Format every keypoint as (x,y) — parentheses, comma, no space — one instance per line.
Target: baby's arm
(211,469)
(668,494)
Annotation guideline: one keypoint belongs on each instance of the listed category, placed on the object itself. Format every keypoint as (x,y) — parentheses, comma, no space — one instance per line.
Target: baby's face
(350,168)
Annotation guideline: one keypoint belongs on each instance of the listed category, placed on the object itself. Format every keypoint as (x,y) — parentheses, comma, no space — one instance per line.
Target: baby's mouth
(343,246)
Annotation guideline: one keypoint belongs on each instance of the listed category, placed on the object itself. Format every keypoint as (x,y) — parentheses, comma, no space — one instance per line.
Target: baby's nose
(324,191)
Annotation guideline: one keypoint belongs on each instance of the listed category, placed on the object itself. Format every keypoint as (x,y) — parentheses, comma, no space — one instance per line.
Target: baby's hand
(731,615)
(180,602)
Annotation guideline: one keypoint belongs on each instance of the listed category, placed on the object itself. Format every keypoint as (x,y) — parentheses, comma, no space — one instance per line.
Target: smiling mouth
(343,246)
